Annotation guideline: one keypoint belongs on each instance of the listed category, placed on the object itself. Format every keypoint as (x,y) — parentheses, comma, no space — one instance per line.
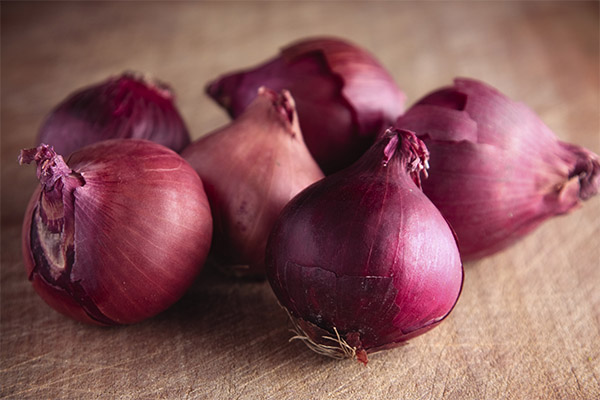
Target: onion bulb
(128,107)
(362,260)
(345,97)
(117,234)
(251,168)
(497,171)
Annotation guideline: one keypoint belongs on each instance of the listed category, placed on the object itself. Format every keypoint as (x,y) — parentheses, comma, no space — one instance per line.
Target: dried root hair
(338,349)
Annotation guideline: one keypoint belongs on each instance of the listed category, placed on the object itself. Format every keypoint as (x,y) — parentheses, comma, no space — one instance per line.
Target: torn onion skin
(251,168)
(129,106)
(345,97)
(497,171)
(116,234)
(362,260)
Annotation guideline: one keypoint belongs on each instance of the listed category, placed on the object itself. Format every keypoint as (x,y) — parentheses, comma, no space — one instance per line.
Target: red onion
(118,234)
(127,106)
(251,168)
(362,260)
(497,171)
(343,94)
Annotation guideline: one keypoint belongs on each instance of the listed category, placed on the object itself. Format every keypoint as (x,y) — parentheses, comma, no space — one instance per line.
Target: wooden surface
(528,323)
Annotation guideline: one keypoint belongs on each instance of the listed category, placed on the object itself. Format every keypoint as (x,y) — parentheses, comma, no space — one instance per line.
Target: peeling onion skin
(344,96)
(497,171)
(117,235)
(128,106)
(251,168)
(364,254)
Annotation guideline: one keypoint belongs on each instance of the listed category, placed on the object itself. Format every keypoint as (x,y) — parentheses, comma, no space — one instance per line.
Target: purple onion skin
(497,171)
(365,252)
(127,107)
(251,168)
(118,234)
(344,96)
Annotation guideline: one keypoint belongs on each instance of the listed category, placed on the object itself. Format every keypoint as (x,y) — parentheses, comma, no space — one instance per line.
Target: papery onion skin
(118,234)
(497,171)
(344,96)
(128,106)
(364,254)
(251,168)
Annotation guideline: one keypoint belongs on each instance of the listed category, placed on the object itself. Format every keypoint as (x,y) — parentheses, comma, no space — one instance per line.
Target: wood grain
(527,325)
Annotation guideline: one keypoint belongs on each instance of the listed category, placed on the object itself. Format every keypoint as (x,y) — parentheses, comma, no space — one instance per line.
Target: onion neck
(51,167)
(146,84)
(222,91)
(586,168)
(282,108)
(403,146)
(52,229)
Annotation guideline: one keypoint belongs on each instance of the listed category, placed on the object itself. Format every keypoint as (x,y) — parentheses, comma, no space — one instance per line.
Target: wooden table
(528,322)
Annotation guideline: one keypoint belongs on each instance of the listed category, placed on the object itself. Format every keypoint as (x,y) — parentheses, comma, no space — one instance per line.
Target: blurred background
(542,53)
(528,321)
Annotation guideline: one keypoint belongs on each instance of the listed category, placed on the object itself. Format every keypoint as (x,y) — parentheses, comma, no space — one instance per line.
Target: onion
(362,260)
(118,234)
(497,171)
(127,106)
(251,168)
(344,96)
